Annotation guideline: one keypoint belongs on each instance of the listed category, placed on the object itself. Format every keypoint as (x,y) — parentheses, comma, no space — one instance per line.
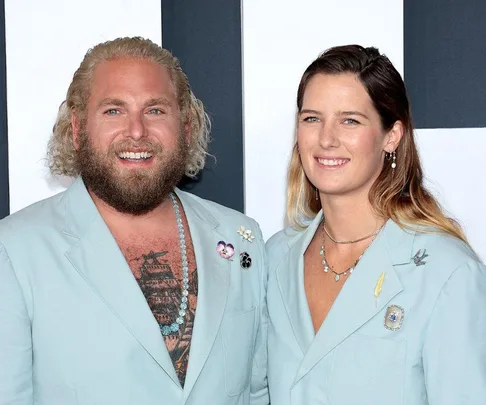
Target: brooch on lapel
(225,250)
(245,234)
(394,317)
(379,287)
(245,260)
(419,257)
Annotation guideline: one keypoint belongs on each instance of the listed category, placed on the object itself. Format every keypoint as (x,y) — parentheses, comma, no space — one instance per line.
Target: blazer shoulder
(280,242)
(227,217)
(35,218)
(445,254)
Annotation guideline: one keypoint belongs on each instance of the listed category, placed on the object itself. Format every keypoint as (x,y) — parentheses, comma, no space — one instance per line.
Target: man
(124,289)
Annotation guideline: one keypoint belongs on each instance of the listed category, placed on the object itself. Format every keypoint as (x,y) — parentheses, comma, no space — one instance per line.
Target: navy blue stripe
(4,191)
(445,62)
(206,37)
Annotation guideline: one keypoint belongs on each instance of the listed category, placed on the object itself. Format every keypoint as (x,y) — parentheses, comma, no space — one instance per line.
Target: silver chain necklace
(174,327)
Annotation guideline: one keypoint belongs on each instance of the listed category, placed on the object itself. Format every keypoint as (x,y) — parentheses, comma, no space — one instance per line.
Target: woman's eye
(310,119)
(351,121)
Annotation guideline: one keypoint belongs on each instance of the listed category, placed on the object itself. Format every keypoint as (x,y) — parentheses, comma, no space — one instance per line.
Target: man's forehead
(132,75)
(129,66)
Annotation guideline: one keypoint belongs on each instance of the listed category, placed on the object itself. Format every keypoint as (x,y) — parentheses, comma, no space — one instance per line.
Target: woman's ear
(393,137)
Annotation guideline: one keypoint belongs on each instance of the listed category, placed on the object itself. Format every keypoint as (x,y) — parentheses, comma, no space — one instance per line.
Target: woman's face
(340,137)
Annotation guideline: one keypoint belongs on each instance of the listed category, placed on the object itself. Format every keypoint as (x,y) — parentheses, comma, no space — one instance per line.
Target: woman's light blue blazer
(436,356)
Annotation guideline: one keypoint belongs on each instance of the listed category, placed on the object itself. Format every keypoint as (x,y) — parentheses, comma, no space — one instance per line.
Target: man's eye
(156,111)
(112,111)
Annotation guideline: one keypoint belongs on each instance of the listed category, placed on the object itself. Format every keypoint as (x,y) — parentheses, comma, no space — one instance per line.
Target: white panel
(280,39)
(45,43)
(456,175)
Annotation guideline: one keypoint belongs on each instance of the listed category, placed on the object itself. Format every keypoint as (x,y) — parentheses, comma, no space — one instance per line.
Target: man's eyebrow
(158,101)
(116,102)
(111,101)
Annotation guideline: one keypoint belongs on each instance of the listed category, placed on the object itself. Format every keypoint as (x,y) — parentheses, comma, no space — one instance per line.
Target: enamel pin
(225,250)
(245,234)
(245,260)
(419,257)
(394,317)
(379,287)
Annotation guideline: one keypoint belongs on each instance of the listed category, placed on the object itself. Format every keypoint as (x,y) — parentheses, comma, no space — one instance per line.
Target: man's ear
(187,131)
(393,137)
(76,128)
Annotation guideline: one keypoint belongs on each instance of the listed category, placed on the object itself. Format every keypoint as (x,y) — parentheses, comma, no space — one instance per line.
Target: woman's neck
(349,219)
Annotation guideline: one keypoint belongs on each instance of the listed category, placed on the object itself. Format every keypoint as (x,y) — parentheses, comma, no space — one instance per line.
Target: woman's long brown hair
(398,194)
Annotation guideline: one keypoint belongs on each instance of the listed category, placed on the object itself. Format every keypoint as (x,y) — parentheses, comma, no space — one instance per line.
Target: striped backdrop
(244,60)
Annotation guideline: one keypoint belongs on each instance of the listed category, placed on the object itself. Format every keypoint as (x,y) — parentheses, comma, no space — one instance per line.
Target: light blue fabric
(76,328)
(437,357)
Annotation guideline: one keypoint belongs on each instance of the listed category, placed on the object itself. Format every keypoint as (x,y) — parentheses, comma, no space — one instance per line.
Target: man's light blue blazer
(436,357)
(75,327)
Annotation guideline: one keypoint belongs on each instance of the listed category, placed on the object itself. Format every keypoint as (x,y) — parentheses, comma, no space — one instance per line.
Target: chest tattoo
(159,275)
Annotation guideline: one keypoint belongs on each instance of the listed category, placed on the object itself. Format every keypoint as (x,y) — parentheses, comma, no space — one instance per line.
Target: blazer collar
(355,304)
(98,259)
(81,210)
(213,284)
(290,279)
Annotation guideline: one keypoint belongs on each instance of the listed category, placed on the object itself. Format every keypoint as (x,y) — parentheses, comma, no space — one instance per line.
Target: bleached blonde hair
(61,150)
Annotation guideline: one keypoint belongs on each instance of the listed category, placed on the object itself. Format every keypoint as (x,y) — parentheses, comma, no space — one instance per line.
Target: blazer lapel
(101,264)
(290,279)
(213,285)
(356,304)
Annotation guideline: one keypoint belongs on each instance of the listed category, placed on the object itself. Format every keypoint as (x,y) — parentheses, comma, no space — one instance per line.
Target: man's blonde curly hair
(61,150)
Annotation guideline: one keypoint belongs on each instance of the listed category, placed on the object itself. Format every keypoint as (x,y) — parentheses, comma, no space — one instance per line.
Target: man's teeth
(134,155)
(332,162)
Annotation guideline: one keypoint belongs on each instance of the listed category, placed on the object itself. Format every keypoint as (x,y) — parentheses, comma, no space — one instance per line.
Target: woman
(375,296)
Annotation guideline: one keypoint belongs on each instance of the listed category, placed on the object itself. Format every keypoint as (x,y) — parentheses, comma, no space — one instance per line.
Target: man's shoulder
(224,215)
(41,214)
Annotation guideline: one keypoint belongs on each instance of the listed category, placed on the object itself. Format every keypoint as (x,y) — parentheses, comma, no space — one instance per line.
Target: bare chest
(320,288)
(324,283)
(157,264)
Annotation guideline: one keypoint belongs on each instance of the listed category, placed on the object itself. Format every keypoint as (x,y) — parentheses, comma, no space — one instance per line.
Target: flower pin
(245,260)
(419,257)
(245,234)
(225,250)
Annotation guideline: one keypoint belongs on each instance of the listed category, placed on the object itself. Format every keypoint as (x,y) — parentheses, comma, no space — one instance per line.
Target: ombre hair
(397,194)
(61,150)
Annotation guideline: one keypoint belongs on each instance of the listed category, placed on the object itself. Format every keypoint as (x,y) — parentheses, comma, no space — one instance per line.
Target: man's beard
(135,191)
